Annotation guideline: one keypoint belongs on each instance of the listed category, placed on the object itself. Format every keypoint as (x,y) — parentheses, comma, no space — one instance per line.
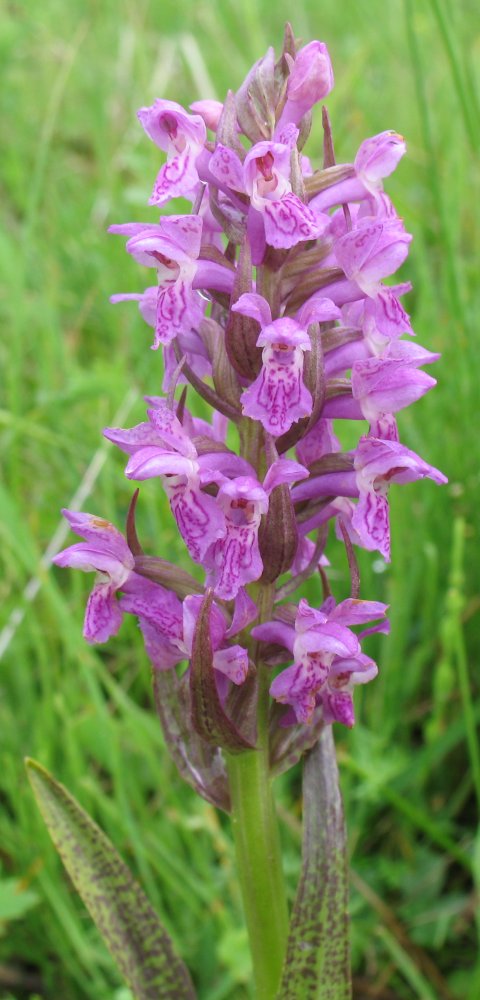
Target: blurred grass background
(74,161)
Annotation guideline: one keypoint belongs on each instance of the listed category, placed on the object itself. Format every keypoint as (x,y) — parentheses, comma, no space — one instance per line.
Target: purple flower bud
(377,157)
(310,80)
(210,111)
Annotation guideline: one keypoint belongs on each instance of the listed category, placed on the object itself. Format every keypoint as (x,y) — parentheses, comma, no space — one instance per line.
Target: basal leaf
(317,965)
(123,914)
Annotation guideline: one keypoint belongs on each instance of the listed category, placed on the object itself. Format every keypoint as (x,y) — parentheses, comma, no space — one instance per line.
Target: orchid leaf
(317,965)
(198,763)
(208,716)
(123,914)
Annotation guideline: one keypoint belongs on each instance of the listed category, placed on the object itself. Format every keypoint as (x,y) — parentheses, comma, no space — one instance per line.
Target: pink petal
(131,439)
(226,165)
(244,612)
(178,309)
(318,309)
(234,560)
(150,462)
(370,520)
(169,428)
(356,612)
(100,532)
(233,662)
(210,111)
(178,178)
(338,707)
(102,616)
(162,653)
(288,222)
(284,470)
(199,518)
(93,558)
(278,397)
(254,305)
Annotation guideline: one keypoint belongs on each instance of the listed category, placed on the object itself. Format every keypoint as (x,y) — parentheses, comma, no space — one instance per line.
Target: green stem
(257,846)
(255,829)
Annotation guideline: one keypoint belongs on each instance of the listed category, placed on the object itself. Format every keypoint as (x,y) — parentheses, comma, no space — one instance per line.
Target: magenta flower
(377,464)
(182,137)
(386,385)
(286,220)
(278,314)
(162,448)
(172,247)
(106,553)
(372,251)
(278,397)
(159,611)
(327,656)
(310,81)
(377,158)
(234,559)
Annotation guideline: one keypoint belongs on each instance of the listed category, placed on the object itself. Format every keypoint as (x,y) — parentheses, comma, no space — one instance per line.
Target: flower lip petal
(233,662)
(103,616)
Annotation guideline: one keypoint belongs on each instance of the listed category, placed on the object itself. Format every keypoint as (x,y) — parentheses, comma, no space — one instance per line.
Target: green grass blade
(117,904)
(421,988)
